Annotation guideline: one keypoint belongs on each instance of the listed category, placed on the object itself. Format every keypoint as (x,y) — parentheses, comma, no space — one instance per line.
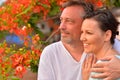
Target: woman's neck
(105,51)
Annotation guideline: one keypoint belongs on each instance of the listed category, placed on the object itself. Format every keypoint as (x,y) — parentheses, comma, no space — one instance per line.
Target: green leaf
(25,11)
(34,65)
(54,10)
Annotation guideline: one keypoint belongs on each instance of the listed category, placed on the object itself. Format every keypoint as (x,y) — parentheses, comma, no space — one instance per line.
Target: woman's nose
(82,37)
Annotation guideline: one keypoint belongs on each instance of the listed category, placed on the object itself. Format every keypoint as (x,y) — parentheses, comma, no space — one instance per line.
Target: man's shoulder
(54,45)
(52,49)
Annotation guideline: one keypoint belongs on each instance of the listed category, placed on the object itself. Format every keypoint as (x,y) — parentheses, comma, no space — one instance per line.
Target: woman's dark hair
(88,7)
(106,21)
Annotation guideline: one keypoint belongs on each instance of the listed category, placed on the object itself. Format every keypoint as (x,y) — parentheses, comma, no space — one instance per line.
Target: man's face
(71,20)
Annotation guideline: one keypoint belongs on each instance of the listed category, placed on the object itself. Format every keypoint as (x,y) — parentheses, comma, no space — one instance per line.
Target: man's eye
(70,21)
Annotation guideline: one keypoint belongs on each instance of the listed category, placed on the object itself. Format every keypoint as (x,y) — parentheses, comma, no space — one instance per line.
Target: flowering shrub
(19,17)
(14,62)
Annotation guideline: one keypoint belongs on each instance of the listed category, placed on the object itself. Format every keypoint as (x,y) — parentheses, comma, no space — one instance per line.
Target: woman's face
(92,36)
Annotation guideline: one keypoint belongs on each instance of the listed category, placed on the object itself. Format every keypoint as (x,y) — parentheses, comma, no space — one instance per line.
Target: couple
(67,59)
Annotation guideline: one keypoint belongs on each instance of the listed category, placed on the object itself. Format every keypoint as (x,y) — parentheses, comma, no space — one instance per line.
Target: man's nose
(62,25)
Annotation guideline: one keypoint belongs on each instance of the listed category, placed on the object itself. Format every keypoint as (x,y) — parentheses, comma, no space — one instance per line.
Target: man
(63,60)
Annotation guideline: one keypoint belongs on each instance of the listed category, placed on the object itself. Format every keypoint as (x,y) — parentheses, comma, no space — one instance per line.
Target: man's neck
(75,50)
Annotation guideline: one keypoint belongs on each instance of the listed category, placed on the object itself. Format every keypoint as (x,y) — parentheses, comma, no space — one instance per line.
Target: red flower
(20,70)
(37,9)
(99,4)
(1,50)
(35,39)
(16,59)
(1,60)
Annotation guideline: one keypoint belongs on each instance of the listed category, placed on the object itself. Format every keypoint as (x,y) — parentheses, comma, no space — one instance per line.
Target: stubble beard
(67,40)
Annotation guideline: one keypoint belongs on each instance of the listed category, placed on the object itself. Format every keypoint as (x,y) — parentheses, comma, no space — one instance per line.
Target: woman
(98,33)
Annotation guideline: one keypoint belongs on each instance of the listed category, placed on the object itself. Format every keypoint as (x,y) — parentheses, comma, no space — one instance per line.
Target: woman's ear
(108,35)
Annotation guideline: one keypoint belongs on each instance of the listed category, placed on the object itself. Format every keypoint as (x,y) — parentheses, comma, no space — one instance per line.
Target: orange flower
(20,70)
(35,39)
(99,4)
(37,9)
(16,59)
(1,50)
(1,60)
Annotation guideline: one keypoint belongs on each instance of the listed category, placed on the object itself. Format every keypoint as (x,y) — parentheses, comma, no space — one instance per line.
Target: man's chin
(66,40)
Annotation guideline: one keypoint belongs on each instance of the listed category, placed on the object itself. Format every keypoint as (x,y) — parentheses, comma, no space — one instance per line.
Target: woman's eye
(81,32)
(89,32)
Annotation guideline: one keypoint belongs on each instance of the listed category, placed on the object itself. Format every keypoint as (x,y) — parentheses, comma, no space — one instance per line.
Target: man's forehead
(73,10)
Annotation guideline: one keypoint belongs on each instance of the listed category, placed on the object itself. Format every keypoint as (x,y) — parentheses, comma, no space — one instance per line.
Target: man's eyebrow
(65,18)
(69,19)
